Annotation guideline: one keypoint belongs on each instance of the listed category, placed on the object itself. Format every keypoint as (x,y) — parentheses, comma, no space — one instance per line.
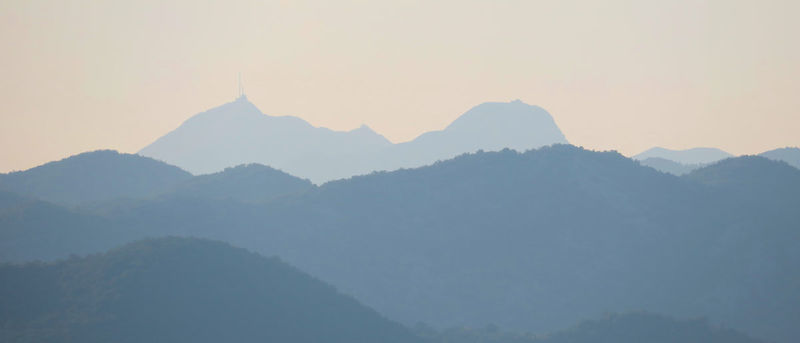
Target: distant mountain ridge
(681,162)
(790,155)
(238,133)
(688,156)
(669,166)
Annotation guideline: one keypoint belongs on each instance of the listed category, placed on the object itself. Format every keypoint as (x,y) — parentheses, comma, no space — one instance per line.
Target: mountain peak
(502,112)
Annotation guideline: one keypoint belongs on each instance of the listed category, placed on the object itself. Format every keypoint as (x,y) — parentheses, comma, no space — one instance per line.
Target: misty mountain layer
(694,156)
(530,241)
(238,133)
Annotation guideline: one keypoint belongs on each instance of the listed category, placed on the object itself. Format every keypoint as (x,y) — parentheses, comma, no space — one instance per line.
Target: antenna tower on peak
(241,89)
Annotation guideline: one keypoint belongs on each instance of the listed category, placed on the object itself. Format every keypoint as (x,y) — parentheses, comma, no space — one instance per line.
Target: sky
(77,76)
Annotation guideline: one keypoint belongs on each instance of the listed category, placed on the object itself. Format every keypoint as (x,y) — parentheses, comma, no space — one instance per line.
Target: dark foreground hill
(94,176)
(532,241)
(180,290)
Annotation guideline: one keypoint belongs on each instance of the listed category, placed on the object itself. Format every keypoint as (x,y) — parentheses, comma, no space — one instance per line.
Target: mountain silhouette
(180,290)
(93,177)
(530,241)
(238,133)
(688,156)
(490,126)
(788,155)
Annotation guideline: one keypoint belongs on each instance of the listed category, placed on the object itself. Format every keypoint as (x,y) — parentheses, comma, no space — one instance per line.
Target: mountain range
(456,228)
(694,156)
(239,133)
(532,241)
(192,290)
(680,162)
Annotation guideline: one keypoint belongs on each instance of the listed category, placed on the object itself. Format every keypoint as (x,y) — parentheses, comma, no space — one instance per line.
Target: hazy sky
(623,75)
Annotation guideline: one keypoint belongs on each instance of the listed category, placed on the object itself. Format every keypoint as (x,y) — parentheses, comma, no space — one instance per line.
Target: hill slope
(180,290)
(94,176)
(788,155)
(32,229)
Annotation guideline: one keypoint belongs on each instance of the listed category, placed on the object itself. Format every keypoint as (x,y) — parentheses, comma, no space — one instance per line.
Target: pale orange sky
(622,75)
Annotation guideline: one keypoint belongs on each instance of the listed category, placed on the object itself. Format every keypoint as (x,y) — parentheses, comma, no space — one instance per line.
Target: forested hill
(180,290)
(250,183)
(94,176)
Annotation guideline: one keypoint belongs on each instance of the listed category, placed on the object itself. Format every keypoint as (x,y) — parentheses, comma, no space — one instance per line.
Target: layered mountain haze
(532,241)
(669,166)
(688,156)
(681,162)
(238,133)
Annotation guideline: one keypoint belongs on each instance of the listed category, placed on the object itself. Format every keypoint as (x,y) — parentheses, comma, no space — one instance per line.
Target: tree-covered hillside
(252,183)
(180,290)
(94,176)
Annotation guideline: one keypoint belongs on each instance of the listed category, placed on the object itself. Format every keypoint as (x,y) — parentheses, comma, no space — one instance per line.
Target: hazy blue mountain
(490,126)
(253,183)
(614,328)
(530,241)
(238,133)
(669,166)
(688,156)
(32,229)
(788,155)
(180,290)
(94,176)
